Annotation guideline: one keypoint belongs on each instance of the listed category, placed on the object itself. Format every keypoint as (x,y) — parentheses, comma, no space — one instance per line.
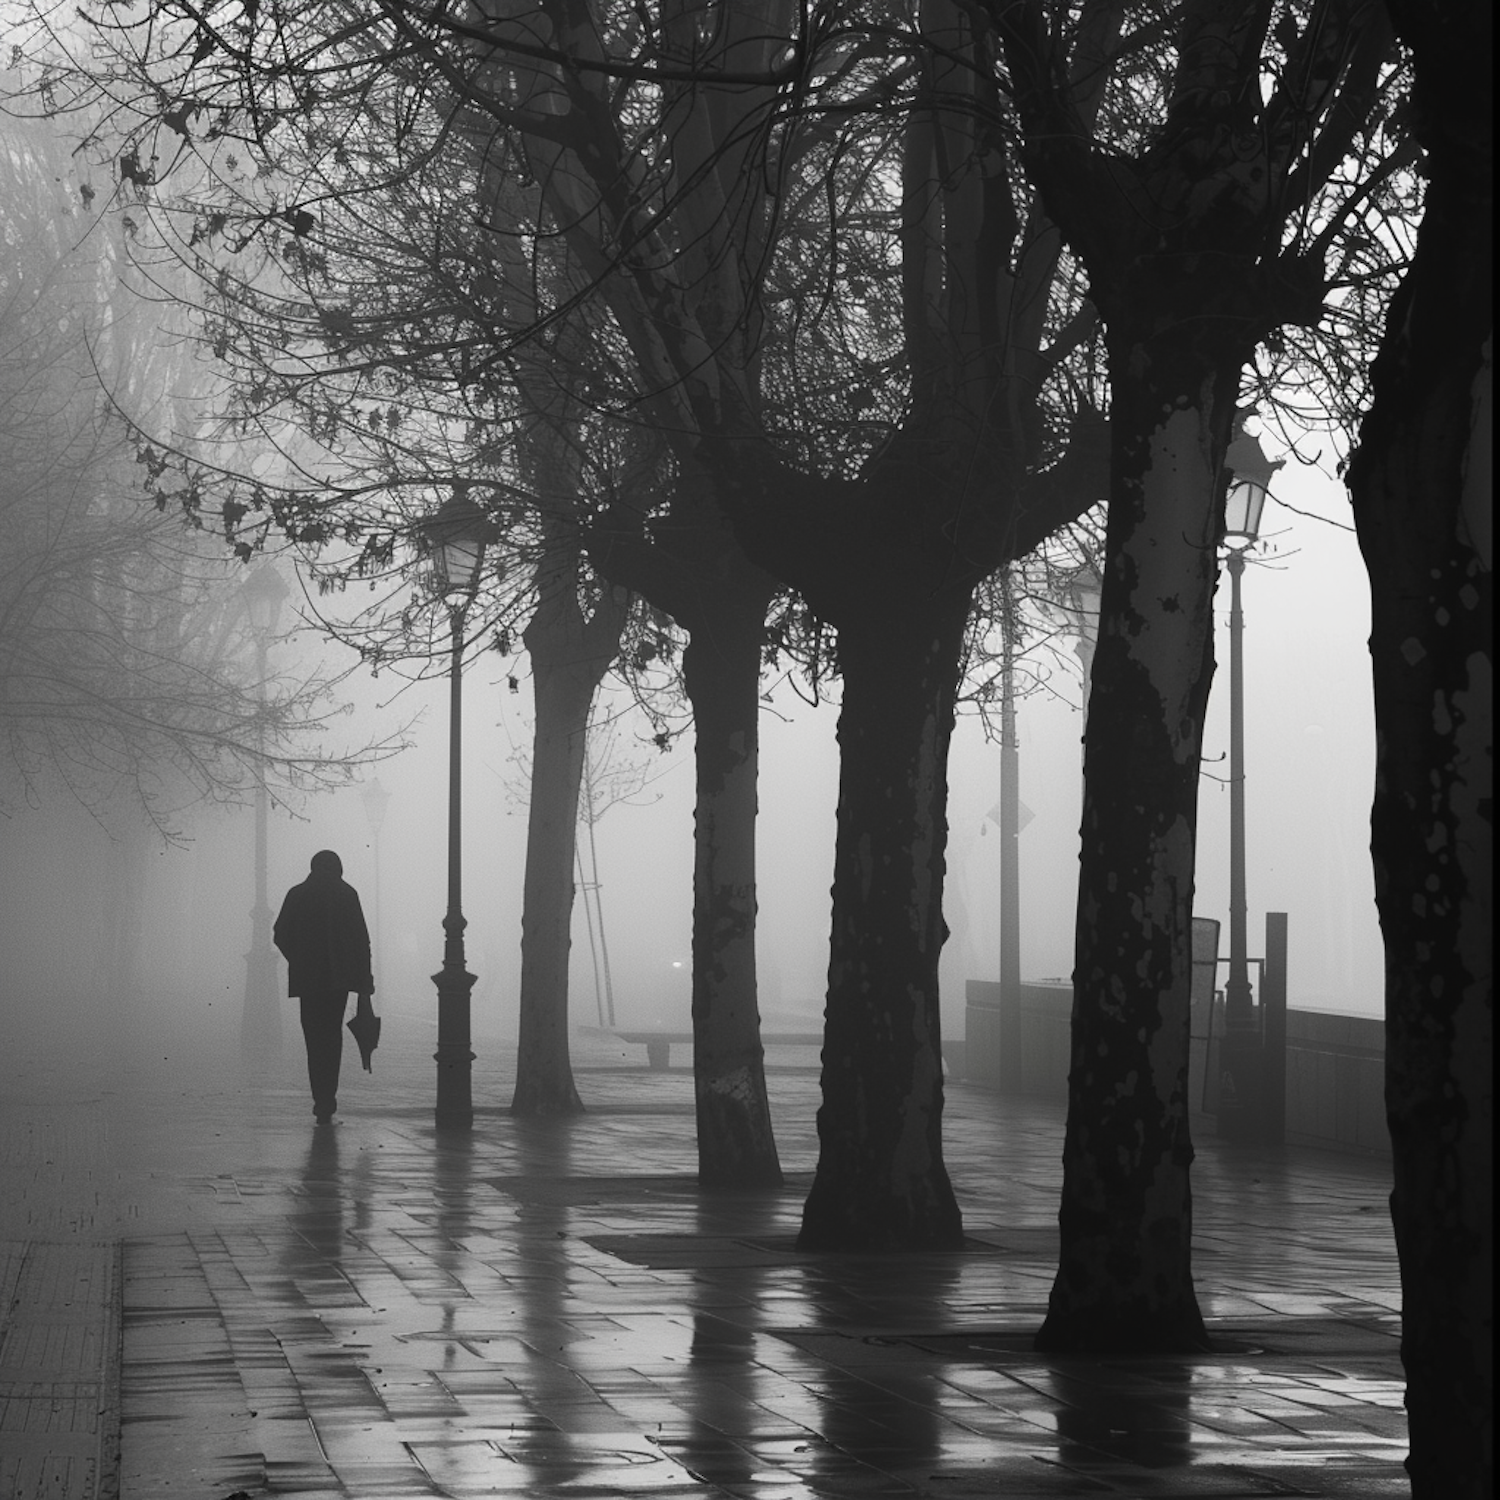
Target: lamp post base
(454,1055)
(455,1097)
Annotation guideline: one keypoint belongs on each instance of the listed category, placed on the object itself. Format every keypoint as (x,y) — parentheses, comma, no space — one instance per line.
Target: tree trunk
(1124,1278)
(1420,484)
(881,1182)
(721,669)
(569,657)
(692,570)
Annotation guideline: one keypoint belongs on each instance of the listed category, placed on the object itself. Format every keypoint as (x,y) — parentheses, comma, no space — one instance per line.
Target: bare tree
(125,676)
(1203,206)
(716,231)
(570,651)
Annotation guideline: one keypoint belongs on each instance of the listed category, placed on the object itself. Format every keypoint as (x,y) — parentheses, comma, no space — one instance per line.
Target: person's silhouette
(322,935)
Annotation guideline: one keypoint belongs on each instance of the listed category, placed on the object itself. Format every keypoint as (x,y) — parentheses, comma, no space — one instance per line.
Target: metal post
(454,1055)
(376,799)
(1273,986)
(585,890)
(1010,866)
(609,985)
(1240,1089)
(260,1017)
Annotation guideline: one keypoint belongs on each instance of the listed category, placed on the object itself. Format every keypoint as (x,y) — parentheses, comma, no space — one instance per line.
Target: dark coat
(322,935)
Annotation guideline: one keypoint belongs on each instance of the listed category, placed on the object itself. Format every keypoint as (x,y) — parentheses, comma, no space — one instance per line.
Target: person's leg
(323,1031)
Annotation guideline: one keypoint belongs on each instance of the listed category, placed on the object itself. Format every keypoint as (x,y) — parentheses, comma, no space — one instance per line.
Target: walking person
(322,935)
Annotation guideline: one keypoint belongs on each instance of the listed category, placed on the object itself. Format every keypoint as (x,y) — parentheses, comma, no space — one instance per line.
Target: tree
(884,520)
(692,569)
(1202,195)
(121,677)
(1419,483)
(570,653)
(686,565)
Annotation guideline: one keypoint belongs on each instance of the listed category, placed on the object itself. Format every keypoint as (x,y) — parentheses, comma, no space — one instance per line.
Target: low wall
(1335,1080)
(1040,1022)
(1335,1063)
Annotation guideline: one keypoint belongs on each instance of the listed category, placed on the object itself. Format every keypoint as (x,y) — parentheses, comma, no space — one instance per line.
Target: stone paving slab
(59,1369)
(60,1290)
(552,1309)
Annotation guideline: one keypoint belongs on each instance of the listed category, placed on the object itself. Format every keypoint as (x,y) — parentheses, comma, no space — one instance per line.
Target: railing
(1324,1076)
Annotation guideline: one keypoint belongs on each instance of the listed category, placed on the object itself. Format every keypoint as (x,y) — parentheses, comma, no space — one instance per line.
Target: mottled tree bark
(721,670)
(691,569)
(1124,1275)
(569,653)
(1421,487)
(881,1182)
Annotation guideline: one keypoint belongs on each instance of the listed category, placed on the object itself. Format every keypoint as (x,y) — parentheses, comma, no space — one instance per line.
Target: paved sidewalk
(60,1292)
(371,1310)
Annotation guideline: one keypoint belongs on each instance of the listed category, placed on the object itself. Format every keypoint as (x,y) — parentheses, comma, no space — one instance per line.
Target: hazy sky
(1309,755)
(1309,767)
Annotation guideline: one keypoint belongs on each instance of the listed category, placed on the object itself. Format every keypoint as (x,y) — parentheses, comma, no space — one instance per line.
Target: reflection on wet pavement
(551,1309)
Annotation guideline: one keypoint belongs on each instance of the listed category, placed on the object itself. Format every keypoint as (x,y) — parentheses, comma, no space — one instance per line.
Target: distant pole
(1010,856)
(376,799)
(609,986)
(1010,841)
(1273,999)
(593,898)
(260,1016)
(588,917)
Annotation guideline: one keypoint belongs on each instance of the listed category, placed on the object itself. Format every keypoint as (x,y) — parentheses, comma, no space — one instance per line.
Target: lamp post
(456,537)
(376,799)
(1242,1065)
(262,595)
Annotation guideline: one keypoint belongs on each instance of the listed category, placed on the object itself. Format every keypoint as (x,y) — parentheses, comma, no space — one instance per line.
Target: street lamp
(455,537)
(1248,474)
(262,595)
(375,799)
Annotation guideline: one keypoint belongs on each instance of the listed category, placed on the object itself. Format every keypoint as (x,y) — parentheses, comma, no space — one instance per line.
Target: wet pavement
(244,1304)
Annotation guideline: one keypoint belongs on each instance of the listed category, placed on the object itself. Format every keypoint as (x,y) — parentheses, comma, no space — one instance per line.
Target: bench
(658,1044)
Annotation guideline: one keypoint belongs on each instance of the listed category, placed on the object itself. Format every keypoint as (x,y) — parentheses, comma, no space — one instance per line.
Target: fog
(1309,778)
(92,916)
